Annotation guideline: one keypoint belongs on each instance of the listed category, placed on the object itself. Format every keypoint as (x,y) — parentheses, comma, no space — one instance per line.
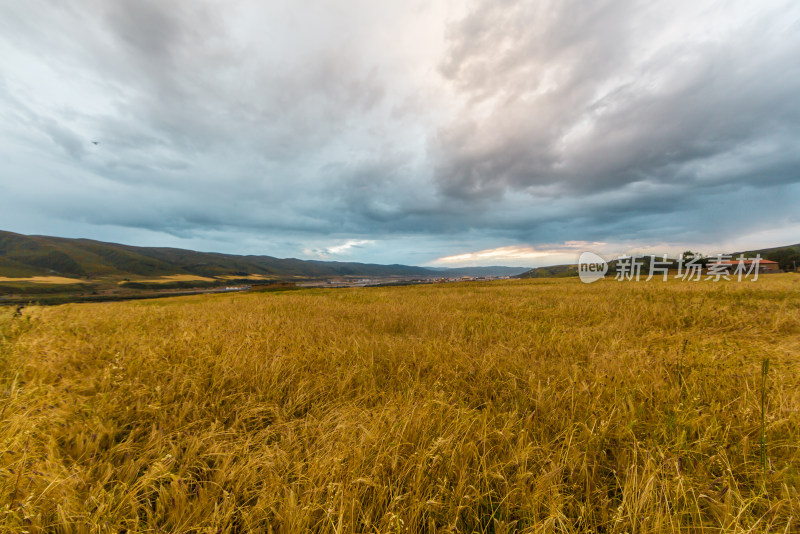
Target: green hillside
(25,256)
(22,256)
(788,258)
(553,271)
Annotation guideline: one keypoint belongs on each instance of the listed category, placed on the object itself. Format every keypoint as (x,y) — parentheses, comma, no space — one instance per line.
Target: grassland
(520,406)
(43,280)
(248,277)
(176,278)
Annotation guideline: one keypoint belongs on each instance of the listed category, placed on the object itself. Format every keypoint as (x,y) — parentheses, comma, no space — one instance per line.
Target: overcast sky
(487,132)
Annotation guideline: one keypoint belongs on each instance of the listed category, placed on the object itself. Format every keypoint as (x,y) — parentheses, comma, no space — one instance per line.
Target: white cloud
(519,255)
(338,250)
(353,243)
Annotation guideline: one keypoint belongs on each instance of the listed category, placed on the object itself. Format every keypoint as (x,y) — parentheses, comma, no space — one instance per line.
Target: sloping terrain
(27,256)
(788,258)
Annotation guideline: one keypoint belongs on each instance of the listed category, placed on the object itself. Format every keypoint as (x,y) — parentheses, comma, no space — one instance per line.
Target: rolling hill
(27,256)
(788,258)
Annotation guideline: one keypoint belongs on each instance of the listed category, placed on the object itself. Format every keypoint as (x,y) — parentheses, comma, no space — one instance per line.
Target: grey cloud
(65,138)
(179,76)
(546,121)
(572,105)
(151,28)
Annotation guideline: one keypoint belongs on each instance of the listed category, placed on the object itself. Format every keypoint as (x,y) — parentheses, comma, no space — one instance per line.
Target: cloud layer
(402,132)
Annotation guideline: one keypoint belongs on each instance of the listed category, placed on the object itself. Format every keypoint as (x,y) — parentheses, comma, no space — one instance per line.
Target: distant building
(764,266)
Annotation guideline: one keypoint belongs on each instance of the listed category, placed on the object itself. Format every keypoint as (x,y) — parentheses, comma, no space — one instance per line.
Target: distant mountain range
(33,255)
(788,258)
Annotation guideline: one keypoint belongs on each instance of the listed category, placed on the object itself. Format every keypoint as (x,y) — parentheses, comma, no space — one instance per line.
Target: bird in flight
(95,143)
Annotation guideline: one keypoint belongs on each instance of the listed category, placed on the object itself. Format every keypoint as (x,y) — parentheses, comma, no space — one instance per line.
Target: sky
(449,133)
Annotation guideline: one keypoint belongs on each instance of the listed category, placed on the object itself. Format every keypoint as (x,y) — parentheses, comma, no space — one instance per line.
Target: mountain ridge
(785,255)
(37,255)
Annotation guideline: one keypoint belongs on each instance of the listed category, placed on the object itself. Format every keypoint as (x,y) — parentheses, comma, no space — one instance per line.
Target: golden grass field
(176,278)
(43,280)
(248,277)
(519,406)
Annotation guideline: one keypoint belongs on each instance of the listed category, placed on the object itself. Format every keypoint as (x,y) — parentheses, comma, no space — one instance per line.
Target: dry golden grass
(176,278)
(248,277)
(43,280)
(522,406)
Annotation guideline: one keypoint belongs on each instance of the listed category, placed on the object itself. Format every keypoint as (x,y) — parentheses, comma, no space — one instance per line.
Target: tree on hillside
(688,256)
(788,258)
